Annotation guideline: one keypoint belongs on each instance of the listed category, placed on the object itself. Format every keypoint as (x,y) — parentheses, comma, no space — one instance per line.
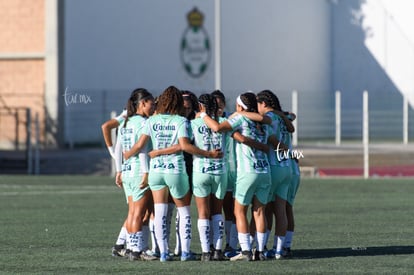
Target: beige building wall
(22,68)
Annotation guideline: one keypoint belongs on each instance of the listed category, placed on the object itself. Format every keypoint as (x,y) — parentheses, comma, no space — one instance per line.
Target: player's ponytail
(133,102)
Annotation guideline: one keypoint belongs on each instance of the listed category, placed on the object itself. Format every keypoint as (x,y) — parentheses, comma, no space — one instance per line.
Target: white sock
(145,236)
(234,240)
(278,243)
(185,228)
(288,239)
(122,237)
(140,244)
(160,222)
(203,226)
(218,231)
(135,240)
(261,241)
(128,243)
(154,244)
(177,234)
(244,240)
(227,227)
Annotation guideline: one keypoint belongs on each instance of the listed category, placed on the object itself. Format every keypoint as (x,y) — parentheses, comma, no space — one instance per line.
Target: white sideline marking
(49,186)
(32,190)
(62,192)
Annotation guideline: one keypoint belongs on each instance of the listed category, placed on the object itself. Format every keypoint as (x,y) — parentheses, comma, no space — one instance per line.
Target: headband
(240,102)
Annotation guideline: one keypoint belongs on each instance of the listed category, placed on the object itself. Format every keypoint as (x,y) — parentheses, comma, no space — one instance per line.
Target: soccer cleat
(231,253)
(270,253)
(218,255)
(242,256)
(254,254)
(205,257)
(127,252)
(187,256)
(118,251)
(134,256)
(147,257)
(279,255)
(287,252)
(164,257)
(152,253)
(177,251)
(259,256)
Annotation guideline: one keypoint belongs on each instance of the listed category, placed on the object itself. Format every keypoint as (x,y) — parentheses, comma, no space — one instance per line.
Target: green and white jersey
(128,136)
(165,131)
(206,139)
(276,155)
(250,160)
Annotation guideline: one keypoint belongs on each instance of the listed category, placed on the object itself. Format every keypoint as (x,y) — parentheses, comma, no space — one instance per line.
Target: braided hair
(270,99)
(133,102)
(170,102)
(210,103)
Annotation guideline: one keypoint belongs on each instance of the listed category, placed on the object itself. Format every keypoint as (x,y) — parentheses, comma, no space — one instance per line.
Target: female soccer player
(209,180)
(253,178)
(134,175)
(189,111)
(228,201)
(268,105)
(293,188)
(167,172)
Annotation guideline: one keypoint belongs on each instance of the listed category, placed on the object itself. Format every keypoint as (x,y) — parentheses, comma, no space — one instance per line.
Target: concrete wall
(369,53)
(111,47)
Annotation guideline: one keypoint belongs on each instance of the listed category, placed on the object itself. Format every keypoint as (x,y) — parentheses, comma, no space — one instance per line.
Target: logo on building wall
(195,45)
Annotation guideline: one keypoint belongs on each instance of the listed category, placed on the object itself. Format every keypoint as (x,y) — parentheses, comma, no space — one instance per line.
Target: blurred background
(66,65)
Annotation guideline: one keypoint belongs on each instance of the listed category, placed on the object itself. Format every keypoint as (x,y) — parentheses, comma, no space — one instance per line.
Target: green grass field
(68,224)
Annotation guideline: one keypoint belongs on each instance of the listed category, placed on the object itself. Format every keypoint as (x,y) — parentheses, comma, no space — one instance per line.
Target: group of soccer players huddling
(175,147)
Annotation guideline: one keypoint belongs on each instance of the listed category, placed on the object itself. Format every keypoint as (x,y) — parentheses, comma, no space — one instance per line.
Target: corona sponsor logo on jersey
(204,130)
(160,127)
(195,45)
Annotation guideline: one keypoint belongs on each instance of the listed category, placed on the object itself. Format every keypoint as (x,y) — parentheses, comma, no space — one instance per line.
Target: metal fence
(390,118)
(20,131)
(85,113)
